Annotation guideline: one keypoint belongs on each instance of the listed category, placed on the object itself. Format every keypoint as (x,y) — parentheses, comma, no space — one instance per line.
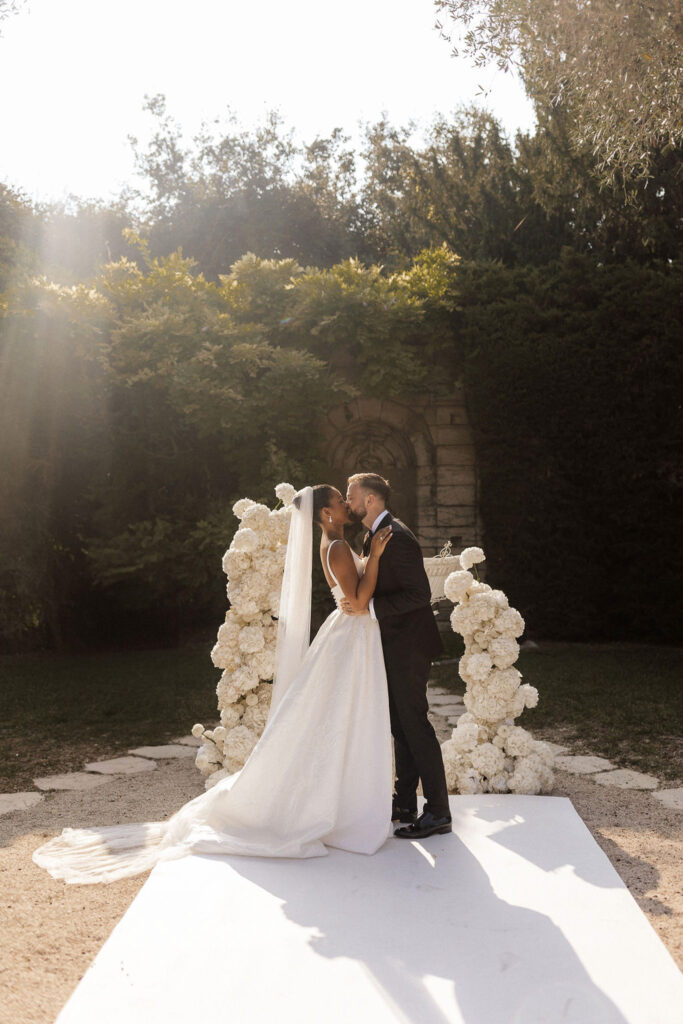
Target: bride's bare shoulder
(338,550)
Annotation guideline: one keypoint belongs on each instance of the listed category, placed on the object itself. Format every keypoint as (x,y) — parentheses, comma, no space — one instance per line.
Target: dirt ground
(51,931)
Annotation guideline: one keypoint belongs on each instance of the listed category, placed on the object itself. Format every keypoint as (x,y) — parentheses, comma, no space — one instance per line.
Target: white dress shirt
(378,520)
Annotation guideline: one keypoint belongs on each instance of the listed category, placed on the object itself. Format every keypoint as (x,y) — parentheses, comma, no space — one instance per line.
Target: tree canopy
(614,66)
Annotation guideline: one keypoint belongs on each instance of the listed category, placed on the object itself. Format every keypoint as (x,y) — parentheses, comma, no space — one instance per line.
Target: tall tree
(616,66)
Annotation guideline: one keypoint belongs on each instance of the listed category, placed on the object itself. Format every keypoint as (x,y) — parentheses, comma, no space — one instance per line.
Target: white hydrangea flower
(470,556)
(241,506)
(226,691)
(231,714)
(239,745)
(245,540)
(207,759)
(487,759)
(504,651)
(255,518)
(526,776)
(503,683)
(197,730)
(264,663)
(457,585)
(530,695)
(483,606)
(236,563)
(475,668)
(518,742)
(501,600)
(244,679)
(509,623)
(224,653)
(244,604)
(278,525)
(465,735)
(285,492)
(255,716)
(251,639)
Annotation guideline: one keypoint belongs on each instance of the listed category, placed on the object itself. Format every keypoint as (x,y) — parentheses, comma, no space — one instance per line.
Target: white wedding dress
(320,775)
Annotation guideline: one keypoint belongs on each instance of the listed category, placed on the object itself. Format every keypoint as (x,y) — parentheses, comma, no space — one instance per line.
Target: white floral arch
(487,752)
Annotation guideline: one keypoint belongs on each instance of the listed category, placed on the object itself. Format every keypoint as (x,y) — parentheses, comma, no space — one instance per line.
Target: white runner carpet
(516,918)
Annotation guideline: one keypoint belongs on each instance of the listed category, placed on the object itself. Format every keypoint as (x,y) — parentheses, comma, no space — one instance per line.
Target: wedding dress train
(320,775)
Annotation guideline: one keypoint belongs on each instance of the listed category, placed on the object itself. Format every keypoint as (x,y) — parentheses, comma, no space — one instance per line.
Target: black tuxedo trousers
(410,639)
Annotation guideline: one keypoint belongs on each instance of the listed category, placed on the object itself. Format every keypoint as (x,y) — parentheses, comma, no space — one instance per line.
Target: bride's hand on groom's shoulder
(379,541)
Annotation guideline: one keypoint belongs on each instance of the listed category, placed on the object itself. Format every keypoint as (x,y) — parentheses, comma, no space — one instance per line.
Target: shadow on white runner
(518,917)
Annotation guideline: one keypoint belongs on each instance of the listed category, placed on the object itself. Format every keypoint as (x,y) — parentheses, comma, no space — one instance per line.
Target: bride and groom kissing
(322,773)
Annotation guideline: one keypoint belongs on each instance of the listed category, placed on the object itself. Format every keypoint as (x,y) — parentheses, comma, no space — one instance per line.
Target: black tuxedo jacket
(402,594)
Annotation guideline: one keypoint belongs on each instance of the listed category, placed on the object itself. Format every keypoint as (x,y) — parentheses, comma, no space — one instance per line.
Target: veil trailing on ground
(108,853)
(294,622)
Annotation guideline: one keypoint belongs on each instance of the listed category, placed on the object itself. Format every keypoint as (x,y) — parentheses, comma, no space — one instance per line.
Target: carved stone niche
(373,447)
(424,449)
(386,437)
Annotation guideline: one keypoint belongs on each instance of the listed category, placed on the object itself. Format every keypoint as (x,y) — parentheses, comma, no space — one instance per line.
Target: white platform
(516,918)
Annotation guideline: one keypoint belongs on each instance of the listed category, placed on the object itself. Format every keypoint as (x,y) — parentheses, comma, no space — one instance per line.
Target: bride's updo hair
(322,496)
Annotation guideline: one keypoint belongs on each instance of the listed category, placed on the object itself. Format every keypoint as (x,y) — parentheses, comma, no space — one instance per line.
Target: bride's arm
(358,589)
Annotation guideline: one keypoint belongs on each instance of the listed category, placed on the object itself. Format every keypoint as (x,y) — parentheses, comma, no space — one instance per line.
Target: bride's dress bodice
(337,592)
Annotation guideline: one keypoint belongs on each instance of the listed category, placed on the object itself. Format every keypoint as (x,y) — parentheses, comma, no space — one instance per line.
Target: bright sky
(74,73)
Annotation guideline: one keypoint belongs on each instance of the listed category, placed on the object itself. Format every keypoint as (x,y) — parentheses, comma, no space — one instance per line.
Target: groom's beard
(356,518)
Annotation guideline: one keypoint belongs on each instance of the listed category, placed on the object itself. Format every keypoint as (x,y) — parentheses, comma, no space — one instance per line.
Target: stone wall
(425,450)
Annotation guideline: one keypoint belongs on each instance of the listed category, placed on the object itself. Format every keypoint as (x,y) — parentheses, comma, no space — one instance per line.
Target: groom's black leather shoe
(426,825)
(403,816)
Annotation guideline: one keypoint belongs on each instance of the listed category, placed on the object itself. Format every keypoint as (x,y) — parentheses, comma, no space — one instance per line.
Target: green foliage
(145,403)
(573,379)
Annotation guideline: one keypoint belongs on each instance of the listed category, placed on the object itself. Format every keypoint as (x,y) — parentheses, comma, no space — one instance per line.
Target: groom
(410,639)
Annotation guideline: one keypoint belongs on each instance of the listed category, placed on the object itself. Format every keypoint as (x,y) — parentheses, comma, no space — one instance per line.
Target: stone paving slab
(583,764)
(625,778)
(556,748)
(122,766)
(444,698)
(164,750)
(672,798)
(188,741)
(72,780)
(18,801)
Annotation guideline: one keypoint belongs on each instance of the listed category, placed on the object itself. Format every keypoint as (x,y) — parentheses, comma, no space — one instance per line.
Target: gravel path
(52,931)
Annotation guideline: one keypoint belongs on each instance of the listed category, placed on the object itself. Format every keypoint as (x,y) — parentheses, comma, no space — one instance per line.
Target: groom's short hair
(374,483)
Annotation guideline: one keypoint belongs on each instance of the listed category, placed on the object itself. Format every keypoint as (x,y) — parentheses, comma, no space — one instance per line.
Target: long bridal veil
(294,621)
(108,853)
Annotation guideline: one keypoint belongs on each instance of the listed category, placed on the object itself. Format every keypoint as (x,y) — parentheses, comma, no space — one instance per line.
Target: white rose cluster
(245,646)
(487,752)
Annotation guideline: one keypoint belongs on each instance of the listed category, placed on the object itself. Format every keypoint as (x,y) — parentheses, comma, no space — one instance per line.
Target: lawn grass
(59,711)
(621,701)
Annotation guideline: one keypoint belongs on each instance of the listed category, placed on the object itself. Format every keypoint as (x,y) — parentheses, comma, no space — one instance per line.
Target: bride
(321,774)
